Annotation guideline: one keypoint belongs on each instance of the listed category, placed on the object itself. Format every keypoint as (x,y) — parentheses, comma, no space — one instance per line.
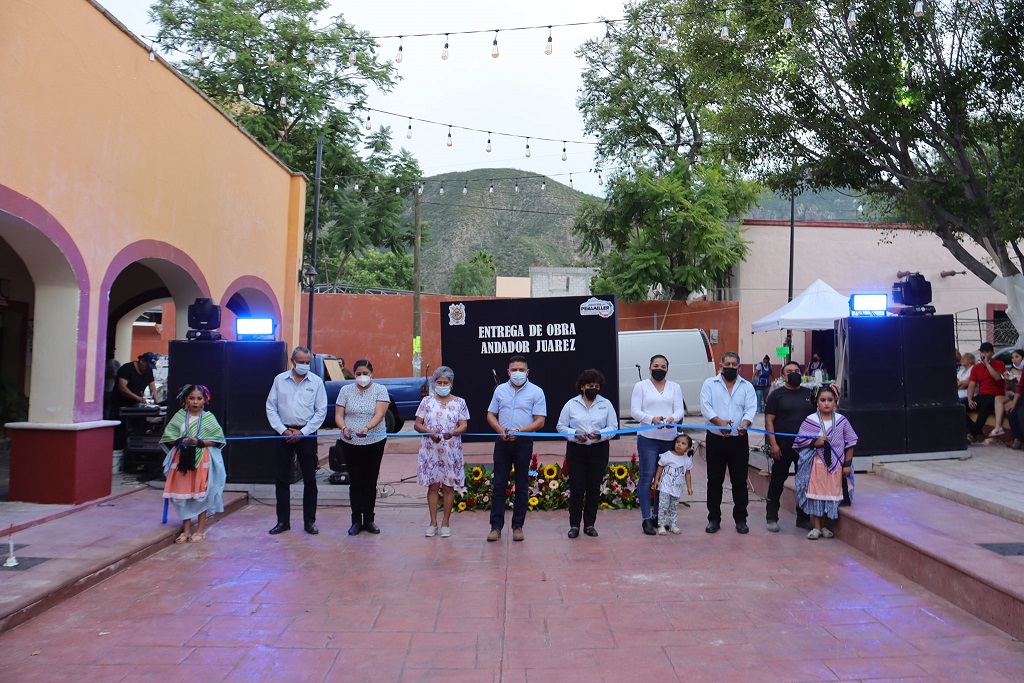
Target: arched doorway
(248,297)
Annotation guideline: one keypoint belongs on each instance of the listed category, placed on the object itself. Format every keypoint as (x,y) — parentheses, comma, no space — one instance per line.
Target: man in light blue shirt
(728,403)
(517,407)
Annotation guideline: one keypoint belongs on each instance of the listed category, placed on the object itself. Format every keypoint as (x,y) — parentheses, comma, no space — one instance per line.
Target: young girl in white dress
(673,471)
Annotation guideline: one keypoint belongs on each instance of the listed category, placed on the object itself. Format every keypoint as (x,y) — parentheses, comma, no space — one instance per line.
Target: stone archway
(248,296)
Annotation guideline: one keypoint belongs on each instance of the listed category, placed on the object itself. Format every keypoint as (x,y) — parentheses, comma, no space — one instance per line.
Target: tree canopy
(475,276)
(287,77)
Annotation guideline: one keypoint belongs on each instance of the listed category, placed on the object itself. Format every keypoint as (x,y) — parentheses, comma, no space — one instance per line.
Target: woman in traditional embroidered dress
(441,419)
(194,466)
(825,444)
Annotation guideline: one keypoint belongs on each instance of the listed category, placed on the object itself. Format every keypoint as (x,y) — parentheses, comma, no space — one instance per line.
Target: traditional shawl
(841,436)
(207,427)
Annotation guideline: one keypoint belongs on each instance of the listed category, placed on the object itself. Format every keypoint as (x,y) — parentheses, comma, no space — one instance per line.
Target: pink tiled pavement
(402,607)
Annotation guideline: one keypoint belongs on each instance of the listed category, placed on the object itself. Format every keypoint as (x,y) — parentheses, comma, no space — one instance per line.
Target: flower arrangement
(549,487)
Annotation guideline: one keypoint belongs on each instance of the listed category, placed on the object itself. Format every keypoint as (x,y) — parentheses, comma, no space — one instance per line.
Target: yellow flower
(550,471)
(620,471)
(533,501)
(476,473)
(462,506)
(605,506)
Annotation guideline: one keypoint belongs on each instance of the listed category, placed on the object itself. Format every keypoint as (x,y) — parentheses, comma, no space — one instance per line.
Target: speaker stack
(239,376)
(898,384)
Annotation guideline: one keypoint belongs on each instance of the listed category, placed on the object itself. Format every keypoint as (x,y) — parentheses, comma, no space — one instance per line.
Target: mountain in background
(531,227)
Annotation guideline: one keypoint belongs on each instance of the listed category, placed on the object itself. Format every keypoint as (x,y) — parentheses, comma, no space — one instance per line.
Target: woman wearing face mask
(359,415)
(655,401)
(587,420)
(816,364)
(442,419)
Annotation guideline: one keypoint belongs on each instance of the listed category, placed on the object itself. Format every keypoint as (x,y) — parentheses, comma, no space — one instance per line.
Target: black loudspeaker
(879,431)
(928,362)
(870,363)
(935,429)
(239,376)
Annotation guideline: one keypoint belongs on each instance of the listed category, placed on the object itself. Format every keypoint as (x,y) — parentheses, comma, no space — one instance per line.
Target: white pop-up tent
(817,308)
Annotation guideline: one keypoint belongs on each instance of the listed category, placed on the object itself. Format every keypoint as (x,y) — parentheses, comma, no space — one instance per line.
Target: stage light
(204,320)
(869,304)
(914,293)
(251,329)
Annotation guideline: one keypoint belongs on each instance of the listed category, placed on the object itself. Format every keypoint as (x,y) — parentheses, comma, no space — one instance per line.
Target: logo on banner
(595,306)
(457,314)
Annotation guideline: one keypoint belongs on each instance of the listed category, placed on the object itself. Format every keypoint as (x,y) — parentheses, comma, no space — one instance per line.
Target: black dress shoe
(280,528)
(311,528)
(742,528)
(574,532)
(371,527)
(590,531)
(713,527)
(355,529)
(649,527)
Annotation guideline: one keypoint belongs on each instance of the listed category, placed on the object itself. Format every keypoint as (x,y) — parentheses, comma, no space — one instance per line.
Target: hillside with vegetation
(521,229)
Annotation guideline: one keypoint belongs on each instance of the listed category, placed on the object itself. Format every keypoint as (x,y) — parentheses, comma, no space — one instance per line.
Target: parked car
(405,393)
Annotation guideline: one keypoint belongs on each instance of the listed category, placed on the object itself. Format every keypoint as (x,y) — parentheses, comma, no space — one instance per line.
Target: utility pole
(311,273)
(792,249)
(417,346)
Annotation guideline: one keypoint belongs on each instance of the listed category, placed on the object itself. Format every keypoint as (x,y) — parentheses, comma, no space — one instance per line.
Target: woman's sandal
(197,537)
(182,538)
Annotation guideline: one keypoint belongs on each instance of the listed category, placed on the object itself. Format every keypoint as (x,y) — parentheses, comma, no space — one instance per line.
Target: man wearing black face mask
(728,404)
(784,412)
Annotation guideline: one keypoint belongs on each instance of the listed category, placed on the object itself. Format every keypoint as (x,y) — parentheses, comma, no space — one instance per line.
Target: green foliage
(678,232)
(378,269)
(322,93)
(475,277)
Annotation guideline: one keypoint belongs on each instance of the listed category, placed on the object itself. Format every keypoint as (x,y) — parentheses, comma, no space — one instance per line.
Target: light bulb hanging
(408,132)
(197,57)
(400,56)
(600,180)
(724,34)
(919,8)
(449,136)
(152,53)
(440,190)
(398,190)
(368,125)
(494,46)
(240,89)
(548,49)
(517,187)
(232,57)
(419,189)
(356,186)
(851,18)
(528,148)
(465,189)
(543,184)
(444,52)
(352,56)
(570,181)
(309,59)
(335,187)
(195,74)
(606,44)
(565,155)
(664,35)
(787,26)
(283,102)
(491,189)
(488,148)
(271,60)
(376,189)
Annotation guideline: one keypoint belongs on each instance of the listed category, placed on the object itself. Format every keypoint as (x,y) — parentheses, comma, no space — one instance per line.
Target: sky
(523,91)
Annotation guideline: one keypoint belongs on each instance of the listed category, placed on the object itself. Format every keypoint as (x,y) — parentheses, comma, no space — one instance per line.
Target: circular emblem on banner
(457,314)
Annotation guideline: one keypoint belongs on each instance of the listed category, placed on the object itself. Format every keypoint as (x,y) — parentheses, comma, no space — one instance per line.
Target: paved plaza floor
(403,607)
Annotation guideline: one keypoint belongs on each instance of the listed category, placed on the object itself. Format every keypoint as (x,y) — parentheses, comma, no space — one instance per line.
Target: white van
(690,362)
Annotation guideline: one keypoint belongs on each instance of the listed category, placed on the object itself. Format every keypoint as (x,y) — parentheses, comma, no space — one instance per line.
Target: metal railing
(971,330)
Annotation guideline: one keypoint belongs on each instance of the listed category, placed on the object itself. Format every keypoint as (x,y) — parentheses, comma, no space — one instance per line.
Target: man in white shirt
(728,403)
(296,407)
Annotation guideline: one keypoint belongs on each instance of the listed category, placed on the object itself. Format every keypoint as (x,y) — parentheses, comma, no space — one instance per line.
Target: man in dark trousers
(130,385)
(784,412)
(296,407)
(728,404)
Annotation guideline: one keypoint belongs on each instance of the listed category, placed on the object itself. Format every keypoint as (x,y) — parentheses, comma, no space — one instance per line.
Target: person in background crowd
(963,376)
(583,419)
(762,381)
(985,385)
(360,415)
(194,466)
(345,372)
(727,402)
(826,440)
(442,418)
(816,364)
(296,407)
(655,401)
(784,412)
(517,407)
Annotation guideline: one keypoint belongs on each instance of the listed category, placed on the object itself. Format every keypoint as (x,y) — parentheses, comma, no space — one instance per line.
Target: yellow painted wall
(120,149)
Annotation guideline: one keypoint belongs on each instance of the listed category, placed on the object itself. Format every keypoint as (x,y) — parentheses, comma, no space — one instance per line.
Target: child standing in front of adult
(673,471)
(825,444)
(194,466)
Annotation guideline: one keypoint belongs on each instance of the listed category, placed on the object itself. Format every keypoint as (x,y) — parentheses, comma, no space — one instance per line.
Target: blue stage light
(254,329)
(869,304)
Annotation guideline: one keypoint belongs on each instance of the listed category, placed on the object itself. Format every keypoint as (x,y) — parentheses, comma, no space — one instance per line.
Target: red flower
(632,461)
(508,492)
(534,462)
(471,502)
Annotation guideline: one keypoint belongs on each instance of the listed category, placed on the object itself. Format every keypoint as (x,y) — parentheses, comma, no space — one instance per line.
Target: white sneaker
(661,531)
(446,531)
(676,530)
(431,531)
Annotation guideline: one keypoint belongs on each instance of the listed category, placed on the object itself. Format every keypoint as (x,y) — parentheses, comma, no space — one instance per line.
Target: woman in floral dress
(442,418)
